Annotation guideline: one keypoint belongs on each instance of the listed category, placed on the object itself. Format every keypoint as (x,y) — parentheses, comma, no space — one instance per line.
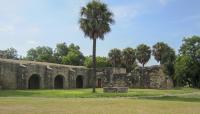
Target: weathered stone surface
(115,89)
(154,77)
(16,74)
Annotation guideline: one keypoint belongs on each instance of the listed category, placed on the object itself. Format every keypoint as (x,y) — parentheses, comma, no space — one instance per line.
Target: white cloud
(7,28)
(125,13)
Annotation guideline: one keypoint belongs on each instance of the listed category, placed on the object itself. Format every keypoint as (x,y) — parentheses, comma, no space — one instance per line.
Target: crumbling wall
(153,77)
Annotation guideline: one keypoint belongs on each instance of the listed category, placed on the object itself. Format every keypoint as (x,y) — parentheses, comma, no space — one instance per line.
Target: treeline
(183,68)
(62,54)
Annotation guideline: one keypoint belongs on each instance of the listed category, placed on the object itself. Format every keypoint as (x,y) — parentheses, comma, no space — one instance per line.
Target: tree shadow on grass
(172,98)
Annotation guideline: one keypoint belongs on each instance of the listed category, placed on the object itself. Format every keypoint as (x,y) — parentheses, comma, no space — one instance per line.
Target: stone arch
(79,81)
(34,81)
(59,82)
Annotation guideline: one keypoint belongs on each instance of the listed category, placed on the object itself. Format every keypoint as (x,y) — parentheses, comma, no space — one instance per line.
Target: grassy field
(82,101)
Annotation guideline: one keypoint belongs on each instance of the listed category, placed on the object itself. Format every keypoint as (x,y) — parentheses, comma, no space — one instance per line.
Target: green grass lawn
(82,101)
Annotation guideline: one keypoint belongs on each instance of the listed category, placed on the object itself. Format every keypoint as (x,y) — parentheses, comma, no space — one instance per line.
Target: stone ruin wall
(154,77)
(15,74)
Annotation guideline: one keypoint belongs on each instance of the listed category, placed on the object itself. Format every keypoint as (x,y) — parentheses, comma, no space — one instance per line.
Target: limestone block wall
(154,77)
(15,74)
(8,73)
(159,80)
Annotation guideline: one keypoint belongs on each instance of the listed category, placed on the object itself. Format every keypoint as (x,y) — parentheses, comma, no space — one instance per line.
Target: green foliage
(10,53)
(168,61)
(60,51)
(74,57)
(187,72)
(159,51)
(128,58)
(95,19)
(62,54)
(41,54)
(143,54)
(101,62)
(191,47)
(115,57)
(32,54)
(183,70)
(188,64)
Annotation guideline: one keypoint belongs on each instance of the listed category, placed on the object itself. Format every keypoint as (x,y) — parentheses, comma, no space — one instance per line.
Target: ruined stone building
(18,74)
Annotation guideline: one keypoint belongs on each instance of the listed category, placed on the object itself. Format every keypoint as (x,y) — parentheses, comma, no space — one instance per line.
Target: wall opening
(99,83)
(79,82)
(58,82)
(34,82)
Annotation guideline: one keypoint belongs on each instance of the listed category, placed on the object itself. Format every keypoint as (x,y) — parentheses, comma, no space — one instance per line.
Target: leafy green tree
(143,54)
(74,57)
(183,71)
(60,51)
(41,54)
(44,54)
(115,57)
(188,63)
(95,21)
(101,62)
(191,47)
(73,47)
(128,58)
(11,53)
(168,63)
(31,54)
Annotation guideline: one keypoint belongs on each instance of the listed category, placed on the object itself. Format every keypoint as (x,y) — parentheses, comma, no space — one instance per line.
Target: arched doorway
(99,83)
(58,82)
(34,82)
(79,82)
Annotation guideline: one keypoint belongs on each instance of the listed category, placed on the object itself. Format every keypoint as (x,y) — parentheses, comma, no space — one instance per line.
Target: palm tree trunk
(144,79)
(94,66)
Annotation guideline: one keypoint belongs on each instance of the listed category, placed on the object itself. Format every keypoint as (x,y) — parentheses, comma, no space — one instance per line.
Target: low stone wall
(115,89)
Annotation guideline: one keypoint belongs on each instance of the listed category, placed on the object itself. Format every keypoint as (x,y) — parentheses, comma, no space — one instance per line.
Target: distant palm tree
(159,50)
(128,58)
(95,21)
(143,54)
(115,57)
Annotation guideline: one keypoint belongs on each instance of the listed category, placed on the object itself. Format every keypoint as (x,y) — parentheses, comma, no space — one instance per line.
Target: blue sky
(26,24)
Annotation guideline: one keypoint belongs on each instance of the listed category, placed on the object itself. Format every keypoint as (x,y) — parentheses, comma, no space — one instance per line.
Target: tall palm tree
(115,57)
(143,54)
(95,21)
(159,50)
(128,56)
